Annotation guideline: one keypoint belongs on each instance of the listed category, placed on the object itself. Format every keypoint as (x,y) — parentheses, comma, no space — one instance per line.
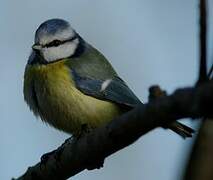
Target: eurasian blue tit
(72,86)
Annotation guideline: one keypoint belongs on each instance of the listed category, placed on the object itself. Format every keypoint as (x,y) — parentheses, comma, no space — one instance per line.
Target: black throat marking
(80,48)
(36,58)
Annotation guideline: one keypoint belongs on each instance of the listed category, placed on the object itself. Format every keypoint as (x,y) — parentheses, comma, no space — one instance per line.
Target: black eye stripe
(56,42)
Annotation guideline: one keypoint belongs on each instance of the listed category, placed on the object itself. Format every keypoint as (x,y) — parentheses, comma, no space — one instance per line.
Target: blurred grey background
(147,41)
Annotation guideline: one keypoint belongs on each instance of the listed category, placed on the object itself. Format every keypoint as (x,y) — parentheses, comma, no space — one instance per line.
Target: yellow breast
(51,93)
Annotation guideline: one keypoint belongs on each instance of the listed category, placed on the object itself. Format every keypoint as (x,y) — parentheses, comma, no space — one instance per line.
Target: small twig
(203,37)
(210,73)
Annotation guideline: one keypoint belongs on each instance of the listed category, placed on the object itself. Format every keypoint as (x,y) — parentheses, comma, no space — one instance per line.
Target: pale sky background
(147,41)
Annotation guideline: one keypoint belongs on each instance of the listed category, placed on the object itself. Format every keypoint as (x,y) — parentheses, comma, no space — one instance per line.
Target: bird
(71,86)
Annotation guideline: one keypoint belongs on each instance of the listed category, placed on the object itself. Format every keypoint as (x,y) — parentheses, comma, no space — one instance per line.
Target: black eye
(54,43)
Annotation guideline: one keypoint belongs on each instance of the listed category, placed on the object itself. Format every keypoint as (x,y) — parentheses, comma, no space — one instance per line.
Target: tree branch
(89,151)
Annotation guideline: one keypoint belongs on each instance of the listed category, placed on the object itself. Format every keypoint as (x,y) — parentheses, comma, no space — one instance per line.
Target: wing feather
(116,91)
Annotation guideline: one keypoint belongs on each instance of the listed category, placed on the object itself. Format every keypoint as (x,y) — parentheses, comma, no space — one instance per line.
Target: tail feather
(181,129)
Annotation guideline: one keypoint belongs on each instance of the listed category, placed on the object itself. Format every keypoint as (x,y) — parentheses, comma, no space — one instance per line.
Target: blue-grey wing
(114,89)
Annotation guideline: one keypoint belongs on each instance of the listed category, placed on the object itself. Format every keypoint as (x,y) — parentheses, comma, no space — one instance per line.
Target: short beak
(36,47)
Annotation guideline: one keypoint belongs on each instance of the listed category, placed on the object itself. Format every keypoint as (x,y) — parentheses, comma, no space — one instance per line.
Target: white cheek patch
(59,52)
(105,84)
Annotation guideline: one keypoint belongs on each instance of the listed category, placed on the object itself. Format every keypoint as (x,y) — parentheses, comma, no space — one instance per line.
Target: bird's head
(55,39)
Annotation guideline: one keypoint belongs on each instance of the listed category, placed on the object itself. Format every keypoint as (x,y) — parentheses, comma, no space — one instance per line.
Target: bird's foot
(45,157)
(85,129)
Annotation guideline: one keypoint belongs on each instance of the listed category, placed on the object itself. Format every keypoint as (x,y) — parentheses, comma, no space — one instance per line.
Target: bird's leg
(85,129)
(56,153)
(46,156)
